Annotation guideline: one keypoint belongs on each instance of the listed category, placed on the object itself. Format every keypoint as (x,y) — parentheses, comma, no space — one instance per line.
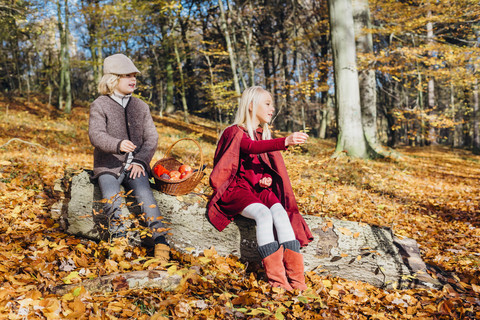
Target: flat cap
(119,64)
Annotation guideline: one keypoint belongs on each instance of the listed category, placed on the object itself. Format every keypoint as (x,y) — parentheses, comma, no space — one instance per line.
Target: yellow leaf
(204,260)
(68,297)
(72,277)
(124,264)
(149,262)
(209,252)
(172,270)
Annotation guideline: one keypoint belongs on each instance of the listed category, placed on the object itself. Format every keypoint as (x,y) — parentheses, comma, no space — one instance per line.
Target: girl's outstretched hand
(296,138)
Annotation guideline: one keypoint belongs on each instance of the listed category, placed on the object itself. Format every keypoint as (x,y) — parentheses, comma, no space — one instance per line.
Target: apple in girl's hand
(165,176)
(175,175)
(185,168)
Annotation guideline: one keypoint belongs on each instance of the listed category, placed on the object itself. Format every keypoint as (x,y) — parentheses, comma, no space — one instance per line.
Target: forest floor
(430,194)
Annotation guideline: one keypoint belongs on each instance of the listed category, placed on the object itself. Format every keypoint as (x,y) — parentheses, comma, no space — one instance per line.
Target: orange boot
(275,270)
(294,269)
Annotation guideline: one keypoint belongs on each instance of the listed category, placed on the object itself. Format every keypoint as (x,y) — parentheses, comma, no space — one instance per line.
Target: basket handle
(167,153)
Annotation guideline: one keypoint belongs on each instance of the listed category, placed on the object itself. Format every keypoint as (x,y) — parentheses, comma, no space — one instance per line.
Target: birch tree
(65,88)
(231,53)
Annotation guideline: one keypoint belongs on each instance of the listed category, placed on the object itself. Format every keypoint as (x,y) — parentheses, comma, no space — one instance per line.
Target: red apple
(185,168)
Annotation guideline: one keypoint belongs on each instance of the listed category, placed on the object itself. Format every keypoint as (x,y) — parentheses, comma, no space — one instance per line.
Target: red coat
(225,167)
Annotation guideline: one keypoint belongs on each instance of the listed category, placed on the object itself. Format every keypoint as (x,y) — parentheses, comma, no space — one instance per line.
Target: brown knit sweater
(109,124)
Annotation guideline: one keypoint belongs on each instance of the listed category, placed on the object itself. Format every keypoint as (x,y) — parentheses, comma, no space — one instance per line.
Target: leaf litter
(431,195)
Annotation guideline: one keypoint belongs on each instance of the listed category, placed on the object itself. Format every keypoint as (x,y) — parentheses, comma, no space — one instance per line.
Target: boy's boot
(272,258)
(162,252)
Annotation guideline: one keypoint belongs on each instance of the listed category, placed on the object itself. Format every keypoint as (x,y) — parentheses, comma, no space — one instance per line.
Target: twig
(20,140)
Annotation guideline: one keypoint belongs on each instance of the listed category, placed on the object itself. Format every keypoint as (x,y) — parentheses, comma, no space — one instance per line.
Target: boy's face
(127,83)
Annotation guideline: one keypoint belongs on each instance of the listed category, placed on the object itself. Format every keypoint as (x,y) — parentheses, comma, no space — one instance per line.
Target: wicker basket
(182,186)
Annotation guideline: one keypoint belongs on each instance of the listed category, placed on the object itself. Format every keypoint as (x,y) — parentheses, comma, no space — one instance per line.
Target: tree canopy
(196,56)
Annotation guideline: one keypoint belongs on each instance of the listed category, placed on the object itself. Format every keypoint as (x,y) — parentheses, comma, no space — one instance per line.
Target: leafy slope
(431,195)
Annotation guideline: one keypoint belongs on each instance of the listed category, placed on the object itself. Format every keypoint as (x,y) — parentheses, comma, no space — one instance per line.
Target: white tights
(266,219)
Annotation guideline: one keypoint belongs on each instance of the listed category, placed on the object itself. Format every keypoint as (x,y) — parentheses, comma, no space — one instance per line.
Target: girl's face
(127,83)
(265,109)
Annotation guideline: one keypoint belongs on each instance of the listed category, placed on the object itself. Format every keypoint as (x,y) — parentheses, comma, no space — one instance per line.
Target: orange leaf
(345,231)
(476,288)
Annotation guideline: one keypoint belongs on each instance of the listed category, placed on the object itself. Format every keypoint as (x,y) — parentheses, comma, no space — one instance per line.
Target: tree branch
(23,141)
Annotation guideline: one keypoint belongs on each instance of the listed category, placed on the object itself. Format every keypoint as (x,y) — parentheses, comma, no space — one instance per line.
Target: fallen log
(347,249)
(126,281)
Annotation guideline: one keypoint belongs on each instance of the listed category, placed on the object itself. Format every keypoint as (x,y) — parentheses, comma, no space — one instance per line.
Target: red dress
(245,189)
(239,164)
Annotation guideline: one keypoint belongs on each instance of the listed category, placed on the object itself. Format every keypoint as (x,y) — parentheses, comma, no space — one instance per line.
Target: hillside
(430,194)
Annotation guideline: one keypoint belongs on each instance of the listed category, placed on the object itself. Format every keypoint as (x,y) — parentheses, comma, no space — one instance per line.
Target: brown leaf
(119,283)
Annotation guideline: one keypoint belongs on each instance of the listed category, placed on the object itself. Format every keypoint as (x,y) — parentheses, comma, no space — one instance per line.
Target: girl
(249,178)
(125,138)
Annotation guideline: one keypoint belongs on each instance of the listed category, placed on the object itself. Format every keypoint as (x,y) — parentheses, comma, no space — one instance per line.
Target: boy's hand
(136,171)
(127,146)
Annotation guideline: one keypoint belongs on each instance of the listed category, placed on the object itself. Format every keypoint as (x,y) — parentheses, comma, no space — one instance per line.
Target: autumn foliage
(429,194)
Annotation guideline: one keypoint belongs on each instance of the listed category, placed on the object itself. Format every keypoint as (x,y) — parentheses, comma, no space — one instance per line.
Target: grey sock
(293,245)
(268,249)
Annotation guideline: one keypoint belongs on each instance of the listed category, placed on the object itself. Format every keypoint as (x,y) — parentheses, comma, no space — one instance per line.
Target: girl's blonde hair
(108,83)
(243,117)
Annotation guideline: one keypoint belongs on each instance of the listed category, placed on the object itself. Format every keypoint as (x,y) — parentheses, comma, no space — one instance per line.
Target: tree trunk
(16,53)
(188,67)
(231,54)
(432,132)
(158,279)
(476,136)
(420,136)
(247,39)
(65,89)
(217,110)
(322,130)
(350,132)
(366,77)
(182,82)
(61,55)
(374,255)
(91,10)
(66,63)
(169,107)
